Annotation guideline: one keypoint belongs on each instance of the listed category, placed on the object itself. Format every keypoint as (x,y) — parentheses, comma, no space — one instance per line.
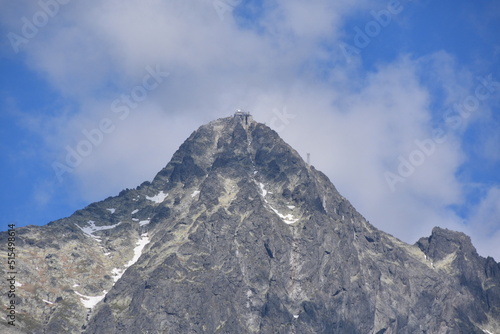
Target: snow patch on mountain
(262,189)
(158,198)
(144,222)
(117,273)
(288,219)
(92,228)
(90,301)
(141,243)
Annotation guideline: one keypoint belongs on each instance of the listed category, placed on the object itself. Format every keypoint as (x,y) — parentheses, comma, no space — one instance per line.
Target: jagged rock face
(239,235)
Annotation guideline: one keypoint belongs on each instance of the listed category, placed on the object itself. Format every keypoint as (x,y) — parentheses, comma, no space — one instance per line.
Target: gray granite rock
(244,237)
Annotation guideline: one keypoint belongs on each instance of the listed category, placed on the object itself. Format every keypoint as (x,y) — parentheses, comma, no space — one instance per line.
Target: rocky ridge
(237,234)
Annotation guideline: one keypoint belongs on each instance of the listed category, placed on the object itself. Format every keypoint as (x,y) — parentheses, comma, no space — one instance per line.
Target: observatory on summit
(243,115)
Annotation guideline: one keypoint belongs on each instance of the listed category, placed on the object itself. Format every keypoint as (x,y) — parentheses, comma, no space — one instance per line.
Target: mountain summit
(237,234)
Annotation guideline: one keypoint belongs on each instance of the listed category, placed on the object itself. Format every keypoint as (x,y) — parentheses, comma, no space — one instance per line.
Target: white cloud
(135,151)
(309,21)
(485,224)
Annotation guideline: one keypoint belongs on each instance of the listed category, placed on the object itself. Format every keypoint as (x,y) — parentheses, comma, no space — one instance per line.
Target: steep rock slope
(237,234)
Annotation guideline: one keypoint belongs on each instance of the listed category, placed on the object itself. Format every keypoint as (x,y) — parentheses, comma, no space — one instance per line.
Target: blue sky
(398,102)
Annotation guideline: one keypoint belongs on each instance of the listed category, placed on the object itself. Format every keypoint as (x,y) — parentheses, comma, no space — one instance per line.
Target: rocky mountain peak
(234,144)
(237,234)
(443,242)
